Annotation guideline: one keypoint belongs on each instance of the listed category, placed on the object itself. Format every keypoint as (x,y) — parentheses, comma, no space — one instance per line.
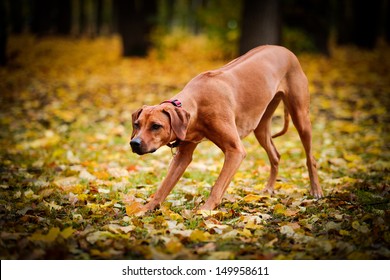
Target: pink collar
(174,102)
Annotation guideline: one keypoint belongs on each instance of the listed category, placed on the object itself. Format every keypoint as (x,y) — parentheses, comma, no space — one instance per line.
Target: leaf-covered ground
(69,184)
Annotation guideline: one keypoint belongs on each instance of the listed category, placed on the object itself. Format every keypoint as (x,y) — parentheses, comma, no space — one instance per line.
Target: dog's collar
(174,144)
(174,102)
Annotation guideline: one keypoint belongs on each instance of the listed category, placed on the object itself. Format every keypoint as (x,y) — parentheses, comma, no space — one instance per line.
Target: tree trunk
(358,23)
(134,25)
(387,21)
(3,34)
(99,17)
(42,17)
(313,19)
(16,16)
(260,24)
(64,17)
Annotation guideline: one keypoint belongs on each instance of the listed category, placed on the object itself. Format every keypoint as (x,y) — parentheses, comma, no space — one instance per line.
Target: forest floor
(69,184)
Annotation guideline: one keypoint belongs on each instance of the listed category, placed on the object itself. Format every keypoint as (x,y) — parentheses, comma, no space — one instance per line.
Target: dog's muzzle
(136,146)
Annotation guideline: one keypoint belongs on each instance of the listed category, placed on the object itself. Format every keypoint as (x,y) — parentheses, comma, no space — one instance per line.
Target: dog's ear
(179,121)
(135,117)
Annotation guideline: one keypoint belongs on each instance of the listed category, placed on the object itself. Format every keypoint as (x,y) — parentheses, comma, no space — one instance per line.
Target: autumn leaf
(199,236)
(67,232)
(252,198)
(174,246)
(279,209)
(49,237)
(134,208)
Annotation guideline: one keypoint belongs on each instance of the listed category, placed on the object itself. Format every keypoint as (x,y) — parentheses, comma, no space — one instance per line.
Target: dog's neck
(174,102)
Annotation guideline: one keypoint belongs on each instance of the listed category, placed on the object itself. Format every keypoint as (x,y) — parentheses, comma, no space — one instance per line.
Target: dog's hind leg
(263,135)
(298,105)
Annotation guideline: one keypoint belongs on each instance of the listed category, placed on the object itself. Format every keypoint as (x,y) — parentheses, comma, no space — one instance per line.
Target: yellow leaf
(134,208)
(174,246)
(352,157)
(279,209)
(199,236)
(344,232)
(176,217)
(253,223)
(52,234)
(67,232)
(252,198)
(349,127)
(207,213)
(245,232)
(36,236)
(361,228)
(49,237)
(52,205)
(102,175)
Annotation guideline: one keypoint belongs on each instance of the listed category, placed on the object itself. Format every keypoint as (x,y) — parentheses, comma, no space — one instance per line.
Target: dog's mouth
(142,152)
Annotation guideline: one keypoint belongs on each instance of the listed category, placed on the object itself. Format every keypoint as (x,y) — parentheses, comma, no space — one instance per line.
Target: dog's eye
(156,126)
(136,125)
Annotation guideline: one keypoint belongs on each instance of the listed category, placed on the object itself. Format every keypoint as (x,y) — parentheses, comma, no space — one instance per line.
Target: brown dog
(225,105)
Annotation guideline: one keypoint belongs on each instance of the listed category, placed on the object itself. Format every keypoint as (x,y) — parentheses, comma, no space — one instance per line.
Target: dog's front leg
(176,169)
(233,159)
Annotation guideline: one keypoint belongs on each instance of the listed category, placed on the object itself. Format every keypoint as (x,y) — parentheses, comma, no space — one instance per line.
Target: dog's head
(156,126)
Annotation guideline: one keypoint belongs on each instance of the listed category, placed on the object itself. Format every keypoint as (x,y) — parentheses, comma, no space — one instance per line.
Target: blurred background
(235,25)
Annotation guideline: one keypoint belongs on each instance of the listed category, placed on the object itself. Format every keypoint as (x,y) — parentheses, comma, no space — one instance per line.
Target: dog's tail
(286,123)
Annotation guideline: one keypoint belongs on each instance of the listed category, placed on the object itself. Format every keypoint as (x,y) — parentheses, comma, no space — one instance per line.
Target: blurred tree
(165,14)
(3,34)
(220,20)
(135,18)
(358,22)
(260,24)
(99,16)
(386,17)
(42,16)
(64,17)
(88,15)
(49,16)
(82,16)
(311,20)
(104,17)
(16,16)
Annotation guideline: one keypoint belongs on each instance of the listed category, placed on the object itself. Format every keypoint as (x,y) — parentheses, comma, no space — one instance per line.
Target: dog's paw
(268,191)
(317,193)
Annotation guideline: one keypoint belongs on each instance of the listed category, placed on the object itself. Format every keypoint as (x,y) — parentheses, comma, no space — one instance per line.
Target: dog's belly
(246,125)
(250,107)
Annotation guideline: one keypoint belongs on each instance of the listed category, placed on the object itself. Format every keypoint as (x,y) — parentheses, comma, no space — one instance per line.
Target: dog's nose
(135,144)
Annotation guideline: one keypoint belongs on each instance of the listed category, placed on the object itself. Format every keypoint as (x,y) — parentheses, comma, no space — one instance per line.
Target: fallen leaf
(174,246)
(279,209)
(199,236)
(51,236)
(67,232)
(252,198)
(134,208)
